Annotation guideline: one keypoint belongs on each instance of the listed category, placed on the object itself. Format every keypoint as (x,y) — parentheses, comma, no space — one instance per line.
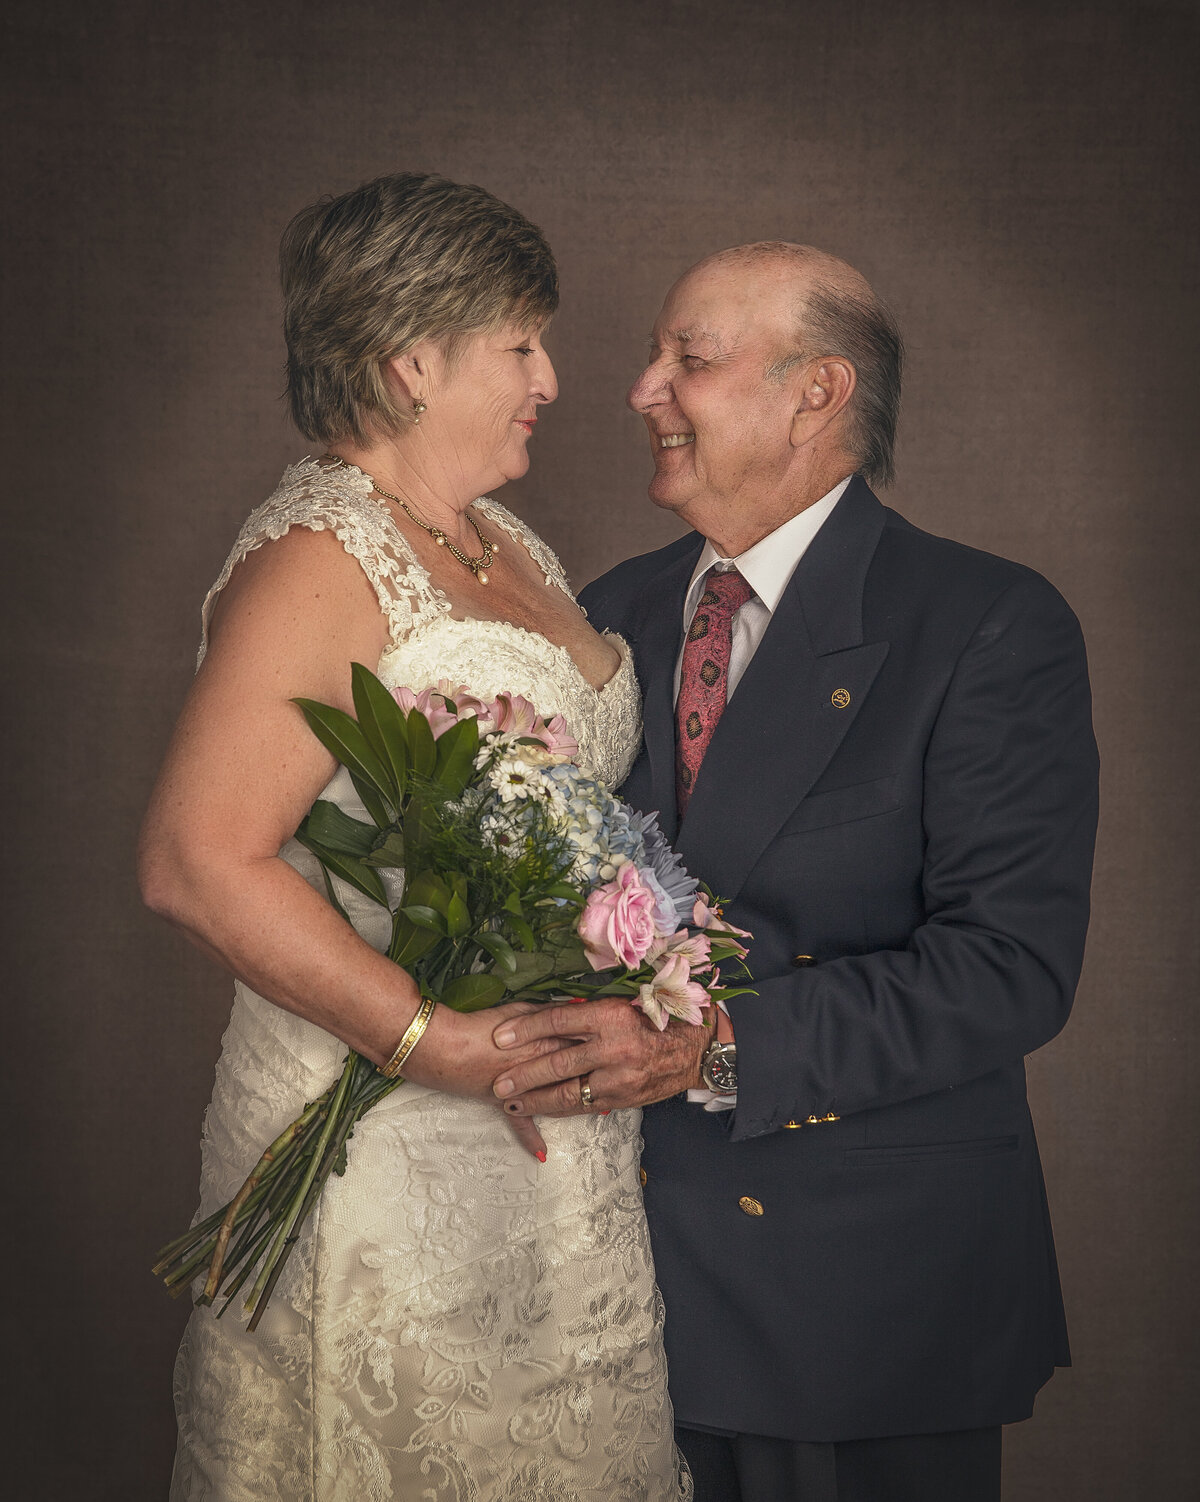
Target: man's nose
(649,390)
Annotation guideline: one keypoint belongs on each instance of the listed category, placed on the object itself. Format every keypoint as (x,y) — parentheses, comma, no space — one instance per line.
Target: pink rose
(617,922)
(672,993)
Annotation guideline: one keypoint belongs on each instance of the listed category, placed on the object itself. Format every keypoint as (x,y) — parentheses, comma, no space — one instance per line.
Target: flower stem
(286,1138)
(294,1213)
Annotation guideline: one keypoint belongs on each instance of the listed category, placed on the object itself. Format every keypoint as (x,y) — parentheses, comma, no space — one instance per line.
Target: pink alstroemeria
(711,920)
(511,714)
(693,947)
(672,993)
(430,702)
(617,922)
(557,739)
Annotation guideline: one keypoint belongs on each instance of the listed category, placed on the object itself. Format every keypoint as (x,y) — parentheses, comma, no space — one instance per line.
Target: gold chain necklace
(478,566)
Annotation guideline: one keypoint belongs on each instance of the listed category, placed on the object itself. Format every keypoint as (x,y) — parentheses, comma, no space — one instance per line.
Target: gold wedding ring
(585,1092)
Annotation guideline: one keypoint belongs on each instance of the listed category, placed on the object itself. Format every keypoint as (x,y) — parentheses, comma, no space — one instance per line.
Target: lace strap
(339,501)
(541,553)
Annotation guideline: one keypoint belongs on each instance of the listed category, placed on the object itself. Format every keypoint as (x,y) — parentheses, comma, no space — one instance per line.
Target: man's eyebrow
(689,336)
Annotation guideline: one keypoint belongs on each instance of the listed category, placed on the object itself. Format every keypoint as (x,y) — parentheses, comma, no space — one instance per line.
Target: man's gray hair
(860,329)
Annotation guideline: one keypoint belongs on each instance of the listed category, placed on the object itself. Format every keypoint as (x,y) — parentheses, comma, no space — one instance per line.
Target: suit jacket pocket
(860,800)
(919,1152)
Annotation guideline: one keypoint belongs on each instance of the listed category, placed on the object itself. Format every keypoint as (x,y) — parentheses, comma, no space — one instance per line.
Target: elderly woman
(461,1319)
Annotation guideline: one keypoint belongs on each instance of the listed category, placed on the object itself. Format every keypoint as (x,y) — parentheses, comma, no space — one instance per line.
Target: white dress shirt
(767,568)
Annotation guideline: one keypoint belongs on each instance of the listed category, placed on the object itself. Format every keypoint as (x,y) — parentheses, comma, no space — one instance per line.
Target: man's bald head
(833,311)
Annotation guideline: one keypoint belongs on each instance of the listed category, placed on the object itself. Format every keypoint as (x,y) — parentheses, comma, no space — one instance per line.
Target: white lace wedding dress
(457,1321)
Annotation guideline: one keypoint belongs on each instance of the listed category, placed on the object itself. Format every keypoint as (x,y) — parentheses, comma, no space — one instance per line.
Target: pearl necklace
(478,566)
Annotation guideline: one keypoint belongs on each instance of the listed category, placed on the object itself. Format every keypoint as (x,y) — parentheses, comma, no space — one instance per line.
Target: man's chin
(667,493)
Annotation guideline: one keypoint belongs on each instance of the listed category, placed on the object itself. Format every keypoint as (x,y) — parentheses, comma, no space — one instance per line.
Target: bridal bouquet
(509,875)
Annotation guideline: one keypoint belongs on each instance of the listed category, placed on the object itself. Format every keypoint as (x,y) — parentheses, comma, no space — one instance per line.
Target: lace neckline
(538,552)
(425,629)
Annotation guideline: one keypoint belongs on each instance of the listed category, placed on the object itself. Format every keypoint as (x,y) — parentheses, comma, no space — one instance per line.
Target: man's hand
(628,1062)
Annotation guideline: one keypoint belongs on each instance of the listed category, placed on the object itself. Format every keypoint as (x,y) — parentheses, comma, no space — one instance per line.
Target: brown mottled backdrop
(1014,177)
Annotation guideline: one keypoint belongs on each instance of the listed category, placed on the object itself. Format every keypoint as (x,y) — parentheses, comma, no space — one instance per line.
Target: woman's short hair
(369,274)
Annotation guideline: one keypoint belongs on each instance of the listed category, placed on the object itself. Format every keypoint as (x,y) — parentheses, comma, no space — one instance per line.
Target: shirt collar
(768,566)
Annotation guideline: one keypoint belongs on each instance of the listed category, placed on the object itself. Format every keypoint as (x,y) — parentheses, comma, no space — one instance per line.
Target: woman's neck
(409,469)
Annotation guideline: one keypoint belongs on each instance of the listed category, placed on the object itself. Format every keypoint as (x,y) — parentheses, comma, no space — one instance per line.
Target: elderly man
(876,745)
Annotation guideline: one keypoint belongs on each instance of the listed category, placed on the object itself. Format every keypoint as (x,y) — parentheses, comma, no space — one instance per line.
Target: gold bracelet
(412,1036)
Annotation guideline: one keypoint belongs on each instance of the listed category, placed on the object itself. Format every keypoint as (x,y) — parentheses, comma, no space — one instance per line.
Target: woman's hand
(457,1054)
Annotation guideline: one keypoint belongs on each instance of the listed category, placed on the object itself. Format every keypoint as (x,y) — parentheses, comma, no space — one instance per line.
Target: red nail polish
(605,1113)
(540,1156)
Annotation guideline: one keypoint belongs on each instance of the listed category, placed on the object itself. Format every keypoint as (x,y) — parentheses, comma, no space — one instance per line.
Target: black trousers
(962,1466)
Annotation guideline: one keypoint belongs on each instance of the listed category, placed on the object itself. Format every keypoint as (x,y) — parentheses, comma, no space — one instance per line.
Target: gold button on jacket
(750,1205)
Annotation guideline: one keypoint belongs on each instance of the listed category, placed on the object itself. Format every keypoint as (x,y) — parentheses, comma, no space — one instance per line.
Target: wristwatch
(718,1068)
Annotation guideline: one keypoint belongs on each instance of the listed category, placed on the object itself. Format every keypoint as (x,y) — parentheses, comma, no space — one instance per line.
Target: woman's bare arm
(242,770)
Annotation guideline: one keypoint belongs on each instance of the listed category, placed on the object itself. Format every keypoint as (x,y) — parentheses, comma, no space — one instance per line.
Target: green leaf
(340,734)
(328,825)
(409,942)
(723,993)
(383,723)
(427,887)
(570,957)
(524,935)
(421,744)
(424,917)
(565,891)
(389,853)
(530,968)
(361,877)
(456,750)
(419,824)
(471,993)
(372,800)
(500,950)
(458,916)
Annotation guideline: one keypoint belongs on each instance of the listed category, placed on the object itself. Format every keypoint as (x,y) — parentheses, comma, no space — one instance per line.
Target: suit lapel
(793,706)
(656,647)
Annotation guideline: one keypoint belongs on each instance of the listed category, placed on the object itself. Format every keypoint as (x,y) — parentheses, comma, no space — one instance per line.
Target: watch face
(720,1069)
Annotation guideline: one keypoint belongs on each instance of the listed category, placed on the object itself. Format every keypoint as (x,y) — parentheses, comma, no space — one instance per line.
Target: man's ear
(826,388)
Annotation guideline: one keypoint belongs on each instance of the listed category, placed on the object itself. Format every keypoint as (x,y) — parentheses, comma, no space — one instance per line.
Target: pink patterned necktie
(704,675)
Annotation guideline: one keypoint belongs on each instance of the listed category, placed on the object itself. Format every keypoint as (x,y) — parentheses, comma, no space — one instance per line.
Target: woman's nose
(546,381)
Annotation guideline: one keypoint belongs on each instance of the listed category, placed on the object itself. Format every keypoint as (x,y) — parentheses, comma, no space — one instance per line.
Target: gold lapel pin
(840,698)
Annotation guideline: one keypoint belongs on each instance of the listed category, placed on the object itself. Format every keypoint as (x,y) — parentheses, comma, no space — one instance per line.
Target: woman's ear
(417,370)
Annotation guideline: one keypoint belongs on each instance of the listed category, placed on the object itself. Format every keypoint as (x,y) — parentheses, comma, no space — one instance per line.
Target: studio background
(1015,179)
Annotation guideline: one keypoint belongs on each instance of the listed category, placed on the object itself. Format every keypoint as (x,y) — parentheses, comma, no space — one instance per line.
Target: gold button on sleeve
(750,1205)
(802,961)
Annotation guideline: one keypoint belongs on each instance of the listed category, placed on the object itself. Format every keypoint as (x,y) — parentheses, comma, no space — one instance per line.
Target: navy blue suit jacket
(900,803)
